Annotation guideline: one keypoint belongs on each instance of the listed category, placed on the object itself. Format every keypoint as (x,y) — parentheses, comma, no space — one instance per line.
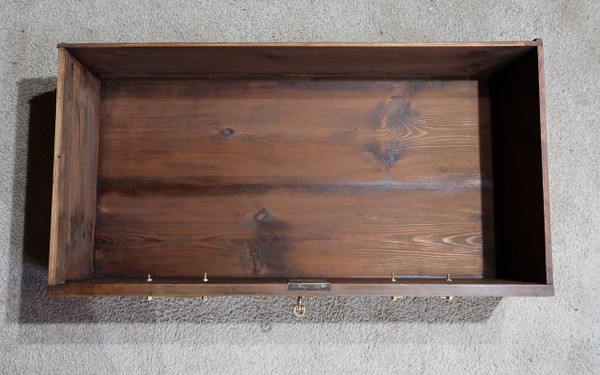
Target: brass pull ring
(299,309)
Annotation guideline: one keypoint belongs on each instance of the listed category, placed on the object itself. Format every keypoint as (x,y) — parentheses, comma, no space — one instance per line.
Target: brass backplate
(308,284)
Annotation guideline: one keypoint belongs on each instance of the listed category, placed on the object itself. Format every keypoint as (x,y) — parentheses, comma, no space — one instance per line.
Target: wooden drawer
(231,169)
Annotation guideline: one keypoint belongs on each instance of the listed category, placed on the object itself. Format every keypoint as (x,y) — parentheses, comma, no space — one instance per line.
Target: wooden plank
(75,171)
(187,165)
(311,231)
(444,59)
(270,287)
(544,151)
(292,131)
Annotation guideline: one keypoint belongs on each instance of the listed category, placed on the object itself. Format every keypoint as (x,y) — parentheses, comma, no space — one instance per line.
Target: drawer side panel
(75,171)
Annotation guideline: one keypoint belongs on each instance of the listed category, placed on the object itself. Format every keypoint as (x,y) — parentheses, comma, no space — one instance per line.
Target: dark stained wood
(544,166)
(301,232)
(257,163)
(274,131)
(520,172)
(353,178)
(75,166)
(277,287)
(441,59)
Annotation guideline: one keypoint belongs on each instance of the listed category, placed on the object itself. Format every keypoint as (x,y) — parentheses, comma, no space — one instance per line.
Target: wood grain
(273,131)
(257,163)
(75,165)
(351,177)
(276,287)
(433,60)
(291,233)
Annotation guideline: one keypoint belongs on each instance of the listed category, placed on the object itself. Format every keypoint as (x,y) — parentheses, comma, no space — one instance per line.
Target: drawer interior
(315,177)
(264,164)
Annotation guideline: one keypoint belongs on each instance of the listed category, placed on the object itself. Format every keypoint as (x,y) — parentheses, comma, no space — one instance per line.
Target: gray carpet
(559,335)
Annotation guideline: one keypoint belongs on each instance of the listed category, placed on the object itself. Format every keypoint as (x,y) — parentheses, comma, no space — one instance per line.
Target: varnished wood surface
(257,163)
(75,166)
(432,60)
(276,287)
(305,131)
(291,233)
(292,178)
(544,166)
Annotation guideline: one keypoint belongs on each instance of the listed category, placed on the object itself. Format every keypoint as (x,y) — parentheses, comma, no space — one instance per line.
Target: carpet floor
(556,335)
